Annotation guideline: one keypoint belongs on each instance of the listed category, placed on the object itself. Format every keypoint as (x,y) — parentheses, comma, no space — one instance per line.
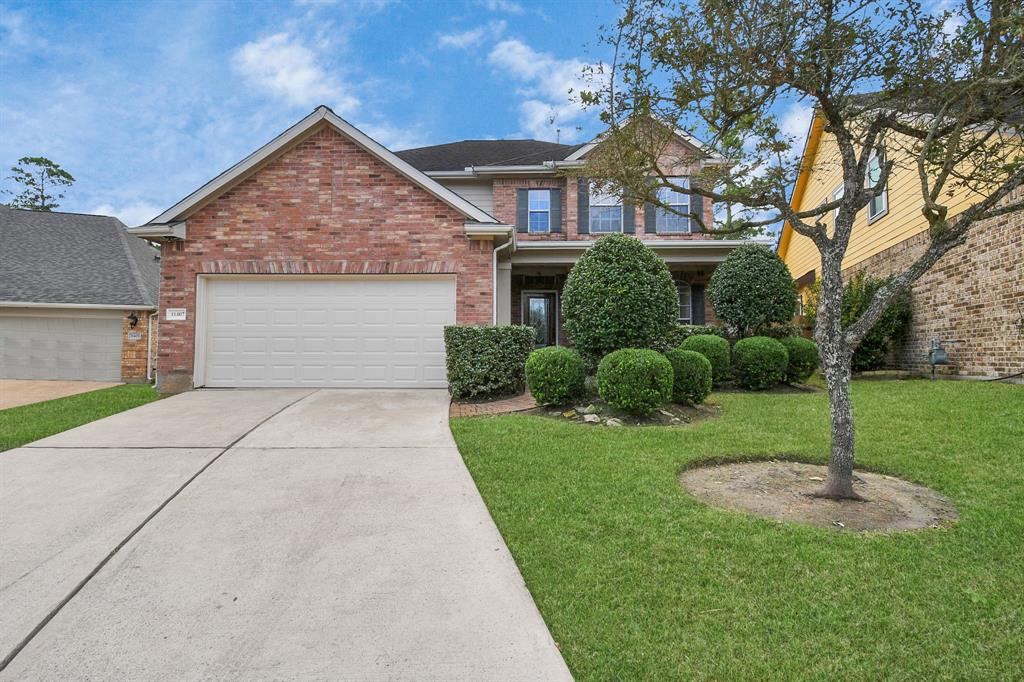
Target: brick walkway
(517,403)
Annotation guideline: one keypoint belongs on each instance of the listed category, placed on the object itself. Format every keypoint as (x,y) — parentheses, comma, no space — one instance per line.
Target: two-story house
(324,259)
(971,301)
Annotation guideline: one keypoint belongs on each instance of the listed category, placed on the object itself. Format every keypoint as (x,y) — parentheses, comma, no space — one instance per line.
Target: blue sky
(144,102)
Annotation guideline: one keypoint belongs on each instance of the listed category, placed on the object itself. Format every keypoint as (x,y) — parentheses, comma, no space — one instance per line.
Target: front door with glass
(539,312)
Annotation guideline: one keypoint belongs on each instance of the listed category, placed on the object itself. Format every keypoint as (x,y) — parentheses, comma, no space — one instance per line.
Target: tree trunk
(836,356)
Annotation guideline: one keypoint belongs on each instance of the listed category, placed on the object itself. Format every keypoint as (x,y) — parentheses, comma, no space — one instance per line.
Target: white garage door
(66,344)
(374,331)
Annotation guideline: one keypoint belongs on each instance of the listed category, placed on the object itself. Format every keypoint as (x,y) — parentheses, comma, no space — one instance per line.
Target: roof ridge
(36,210)
(134,265)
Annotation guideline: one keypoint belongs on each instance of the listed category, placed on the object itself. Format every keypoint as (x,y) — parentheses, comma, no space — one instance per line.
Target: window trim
(659,211)
(884,196)
(838,193)
(590,212)
(689,305)
(530,212)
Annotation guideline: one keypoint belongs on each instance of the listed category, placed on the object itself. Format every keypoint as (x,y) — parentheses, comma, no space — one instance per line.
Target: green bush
(891,326)
(554,375)
(752,289)
(691,376)
(716,350)
(680,332)
(486,361)
(619,294)
(760,362)
(636,380)
(803,358)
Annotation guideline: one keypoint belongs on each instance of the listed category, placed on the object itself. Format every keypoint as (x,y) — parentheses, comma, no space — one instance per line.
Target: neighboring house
(324,259)
(971,301)
(76,295)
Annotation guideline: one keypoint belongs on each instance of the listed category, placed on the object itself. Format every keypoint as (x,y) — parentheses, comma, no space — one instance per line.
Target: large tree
(42,183)
(939,92)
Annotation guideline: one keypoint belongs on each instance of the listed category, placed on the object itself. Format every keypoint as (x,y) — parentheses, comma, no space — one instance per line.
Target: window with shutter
(605,212)
(668,220)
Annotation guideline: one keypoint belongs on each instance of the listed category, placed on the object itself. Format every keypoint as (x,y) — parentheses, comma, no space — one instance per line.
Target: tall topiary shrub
(619,294)
(760,362)
(716,350)
(486,361)
(691,376)
(636,380)
(554,374)
(752,289)
(803,358)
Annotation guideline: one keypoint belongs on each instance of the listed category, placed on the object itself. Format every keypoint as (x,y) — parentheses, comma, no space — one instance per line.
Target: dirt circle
(780,490)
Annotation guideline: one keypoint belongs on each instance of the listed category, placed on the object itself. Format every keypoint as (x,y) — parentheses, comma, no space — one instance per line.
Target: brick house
(325,259)
(78,298)
(972,299)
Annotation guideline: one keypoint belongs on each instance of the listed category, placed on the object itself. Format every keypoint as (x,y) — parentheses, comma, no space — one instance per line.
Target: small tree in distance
(42,183)
(939,93)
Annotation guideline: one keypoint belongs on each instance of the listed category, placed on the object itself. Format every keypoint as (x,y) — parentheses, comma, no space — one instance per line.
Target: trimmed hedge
(803,358)
(619,294)
(760,362)
(691,376)
(636,380)
(486,361)
(680,332)
(554,375)
(752,289)
(716,350)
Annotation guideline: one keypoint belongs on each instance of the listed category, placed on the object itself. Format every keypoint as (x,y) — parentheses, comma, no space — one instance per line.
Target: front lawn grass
(639,581)
(20,425)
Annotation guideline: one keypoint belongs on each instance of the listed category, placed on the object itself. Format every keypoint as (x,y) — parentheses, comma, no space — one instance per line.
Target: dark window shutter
(628,217)
(697,303)
(522,210)
(650,219)
(582,206)
(556,210)
(696,208)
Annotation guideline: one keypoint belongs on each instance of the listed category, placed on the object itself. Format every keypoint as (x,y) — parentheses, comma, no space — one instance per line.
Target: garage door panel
(60,345)
(374,332)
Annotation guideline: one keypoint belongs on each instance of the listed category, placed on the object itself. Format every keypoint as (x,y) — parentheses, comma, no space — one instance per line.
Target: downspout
(149,346)
(494,276)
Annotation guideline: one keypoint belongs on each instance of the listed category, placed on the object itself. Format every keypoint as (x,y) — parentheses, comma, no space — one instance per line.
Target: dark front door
(539,313)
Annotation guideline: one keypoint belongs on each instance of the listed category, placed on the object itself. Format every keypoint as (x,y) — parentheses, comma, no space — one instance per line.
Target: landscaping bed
(638,579)
(596,412)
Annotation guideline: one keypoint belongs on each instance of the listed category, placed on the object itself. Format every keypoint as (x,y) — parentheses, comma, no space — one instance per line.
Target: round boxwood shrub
(803,358)
(753,289)
(636,380)
(691,376)
(619,294)
(554,375)
(716,350)
(760,362)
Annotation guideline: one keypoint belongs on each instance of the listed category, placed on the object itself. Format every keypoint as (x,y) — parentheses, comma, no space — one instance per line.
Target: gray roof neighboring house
(74,259)
(456,156)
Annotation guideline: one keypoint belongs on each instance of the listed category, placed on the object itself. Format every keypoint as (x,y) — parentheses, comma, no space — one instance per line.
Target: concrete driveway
(17,392)
(263,534)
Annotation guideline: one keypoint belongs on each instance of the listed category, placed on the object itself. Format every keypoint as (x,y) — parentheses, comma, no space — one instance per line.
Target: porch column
(504,293)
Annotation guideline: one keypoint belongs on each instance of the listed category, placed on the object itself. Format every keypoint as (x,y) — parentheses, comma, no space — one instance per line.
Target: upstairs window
(540,211)
(605,212)
(880,204)
(837,194)
(685,303)
(669,221)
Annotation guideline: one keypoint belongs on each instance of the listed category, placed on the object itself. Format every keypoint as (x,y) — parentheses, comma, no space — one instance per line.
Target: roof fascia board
(159,231)
(711,156)
(83,306)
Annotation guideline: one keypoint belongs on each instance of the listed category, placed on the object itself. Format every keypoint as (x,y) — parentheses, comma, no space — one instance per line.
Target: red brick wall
(325,206)
(133,351)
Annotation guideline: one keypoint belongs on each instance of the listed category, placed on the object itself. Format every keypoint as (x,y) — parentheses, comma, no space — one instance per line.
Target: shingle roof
(458,155)
(49,257)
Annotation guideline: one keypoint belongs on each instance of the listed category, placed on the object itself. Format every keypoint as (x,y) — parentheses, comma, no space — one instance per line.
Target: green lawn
(639,581)
(20,425)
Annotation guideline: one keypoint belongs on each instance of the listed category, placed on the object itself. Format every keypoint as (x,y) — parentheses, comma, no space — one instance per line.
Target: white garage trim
(205,288)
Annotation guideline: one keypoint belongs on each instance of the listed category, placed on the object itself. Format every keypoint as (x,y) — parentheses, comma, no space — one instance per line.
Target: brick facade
(323,206)
(133,350)
(972,299)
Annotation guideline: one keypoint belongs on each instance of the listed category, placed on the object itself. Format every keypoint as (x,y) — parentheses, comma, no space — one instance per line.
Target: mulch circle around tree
(782,490)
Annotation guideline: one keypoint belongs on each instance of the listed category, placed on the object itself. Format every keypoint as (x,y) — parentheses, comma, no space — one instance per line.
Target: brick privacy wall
(325,206)
(133,353)
(973,294)
(504,191)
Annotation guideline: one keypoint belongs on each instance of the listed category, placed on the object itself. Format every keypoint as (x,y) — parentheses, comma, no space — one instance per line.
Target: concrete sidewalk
(341,538)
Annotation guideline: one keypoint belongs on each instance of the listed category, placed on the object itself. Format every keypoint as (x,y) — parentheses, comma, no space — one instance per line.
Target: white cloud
(473,37)
(394,137)
(953,22)
(794,123)
(503,6)
(283,67)
(130,214)
(550,86)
